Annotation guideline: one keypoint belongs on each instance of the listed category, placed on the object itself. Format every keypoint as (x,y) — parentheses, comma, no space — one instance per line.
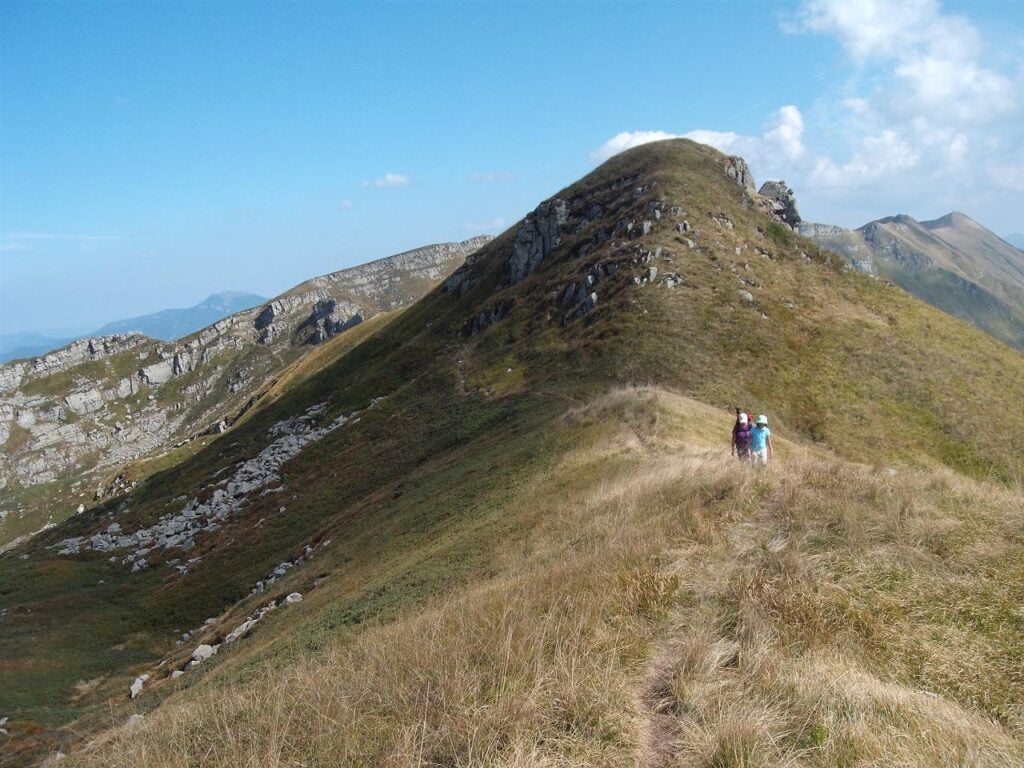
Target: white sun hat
(762,419)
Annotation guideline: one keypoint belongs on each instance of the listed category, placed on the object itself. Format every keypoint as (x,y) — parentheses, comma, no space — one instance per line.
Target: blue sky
(153,153)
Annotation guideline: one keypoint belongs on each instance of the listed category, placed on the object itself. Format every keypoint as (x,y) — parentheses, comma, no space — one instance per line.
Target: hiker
(761,442)
(741,433)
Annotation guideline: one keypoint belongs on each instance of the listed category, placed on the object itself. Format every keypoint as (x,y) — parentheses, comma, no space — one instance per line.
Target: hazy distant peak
(952,219)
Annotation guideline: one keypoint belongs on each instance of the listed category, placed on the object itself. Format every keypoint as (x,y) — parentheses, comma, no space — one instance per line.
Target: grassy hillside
(519,558)
(952,263)
(638,600)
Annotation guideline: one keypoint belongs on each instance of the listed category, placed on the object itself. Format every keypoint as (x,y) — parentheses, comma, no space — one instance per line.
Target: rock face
(782,201)
(107,401)
(329,318)
(736,168)
(536,236)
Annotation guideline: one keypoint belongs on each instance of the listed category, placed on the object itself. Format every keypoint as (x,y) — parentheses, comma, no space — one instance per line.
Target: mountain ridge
(174,323)
(164,325)
(952,262)
(87,409)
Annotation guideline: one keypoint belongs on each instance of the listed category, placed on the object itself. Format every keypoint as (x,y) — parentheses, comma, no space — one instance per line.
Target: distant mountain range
(953,263)
(171,324)
(165,325)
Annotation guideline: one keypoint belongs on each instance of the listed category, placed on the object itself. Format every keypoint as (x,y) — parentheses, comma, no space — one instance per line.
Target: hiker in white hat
(761,442)
(741,437)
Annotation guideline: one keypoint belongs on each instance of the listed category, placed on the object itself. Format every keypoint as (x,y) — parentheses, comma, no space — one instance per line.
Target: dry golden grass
(661,606)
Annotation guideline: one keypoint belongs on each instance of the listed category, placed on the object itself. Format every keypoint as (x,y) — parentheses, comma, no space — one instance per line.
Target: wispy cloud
(11,242)
(491,176)
(620,142)
(929,99)
(389,180)
(497,224)
(344,205)
(783,136)
(933,59)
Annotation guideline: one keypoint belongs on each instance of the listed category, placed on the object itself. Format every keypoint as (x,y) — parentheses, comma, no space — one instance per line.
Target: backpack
(742,435)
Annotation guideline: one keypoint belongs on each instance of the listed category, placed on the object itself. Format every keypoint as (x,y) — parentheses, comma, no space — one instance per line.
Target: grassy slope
(961,298)
(472,453)
(975,276)
(835,356)
(640,598)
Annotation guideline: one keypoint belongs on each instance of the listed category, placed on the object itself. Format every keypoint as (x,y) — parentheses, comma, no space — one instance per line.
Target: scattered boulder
(746,296)
(136,687)
(242,629)
(202,653)
(585,307)
(294,597)
(134,720)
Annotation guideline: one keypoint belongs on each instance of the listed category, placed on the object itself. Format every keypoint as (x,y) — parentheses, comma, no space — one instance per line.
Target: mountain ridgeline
(74,420)
(164,325)
(501,527)
(171,324)
(953,263)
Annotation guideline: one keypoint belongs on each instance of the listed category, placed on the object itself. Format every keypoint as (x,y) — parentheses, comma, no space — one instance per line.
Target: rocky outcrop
(843,241)
(736,168)
(10,376)
(268,323)
(489,317)
(84,351)
(329,318)
(821,231)
(536,237)
(782,202)
(257,474)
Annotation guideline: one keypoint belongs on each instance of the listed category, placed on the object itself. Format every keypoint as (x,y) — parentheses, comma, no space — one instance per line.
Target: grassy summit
(522,558)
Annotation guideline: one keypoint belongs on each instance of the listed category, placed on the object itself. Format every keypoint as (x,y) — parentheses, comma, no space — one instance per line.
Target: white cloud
(344,205)
(627,140)
(787,134)
(882,154)
(497,224)
(491,176)
(779,144)
(933,58)
(724,141)
(783,136)
(389,180)
(1009,175)
(928,117)
(11,242)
